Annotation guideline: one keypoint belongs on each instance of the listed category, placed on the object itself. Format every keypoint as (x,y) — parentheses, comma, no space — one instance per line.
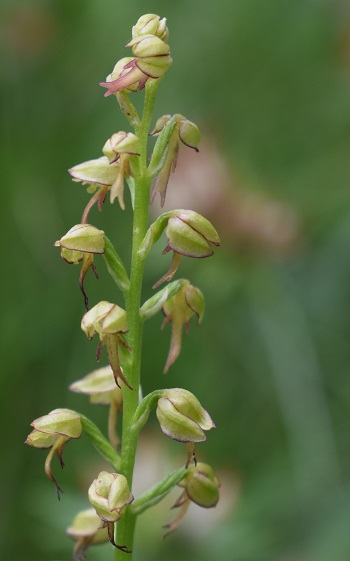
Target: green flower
(54,431)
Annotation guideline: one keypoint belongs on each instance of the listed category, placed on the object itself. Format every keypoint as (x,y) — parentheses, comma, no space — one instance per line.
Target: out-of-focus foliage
(268,82)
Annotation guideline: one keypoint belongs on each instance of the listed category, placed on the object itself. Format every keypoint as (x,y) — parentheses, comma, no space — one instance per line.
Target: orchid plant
(126,160)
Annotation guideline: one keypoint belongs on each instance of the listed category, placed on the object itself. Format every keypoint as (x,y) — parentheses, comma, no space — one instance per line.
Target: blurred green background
(268,83)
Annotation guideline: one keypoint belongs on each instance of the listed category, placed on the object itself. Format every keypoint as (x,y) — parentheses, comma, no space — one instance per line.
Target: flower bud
(178,310)
(189,133)
(188,233)
(185,130)
(152,60)
(182,417)
(191,234)
(109,494)
(121,143)
(104,318)
(160,124)
(201,485)
(146,46)
(110,322)
(86,530)
(151,24)
(155,66)
(53,431)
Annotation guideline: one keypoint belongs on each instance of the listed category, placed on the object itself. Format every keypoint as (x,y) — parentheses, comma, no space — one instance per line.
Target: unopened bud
(182,417)
(189,133)
(188,233)
(184,130)
(146,46)
(104,318)
(121,143)
(191,234)
(109,494)
(151,24)
(201,485)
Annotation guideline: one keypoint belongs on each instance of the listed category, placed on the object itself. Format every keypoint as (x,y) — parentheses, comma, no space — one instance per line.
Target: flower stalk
(181,416)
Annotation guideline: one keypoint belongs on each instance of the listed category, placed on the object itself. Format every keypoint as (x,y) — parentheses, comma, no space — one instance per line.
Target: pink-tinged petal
(134,76)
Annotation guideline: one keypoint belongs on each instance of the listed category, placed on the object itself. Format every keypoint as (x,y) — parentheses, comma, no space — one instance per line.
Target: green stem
(157,493)
(126,525)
